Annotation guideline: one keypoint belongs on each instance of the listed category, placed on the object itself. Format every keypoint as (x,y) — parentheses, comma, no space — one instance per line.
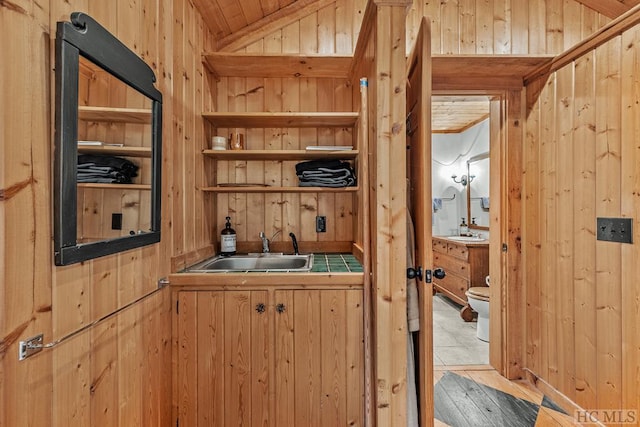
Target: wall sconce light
(464,180)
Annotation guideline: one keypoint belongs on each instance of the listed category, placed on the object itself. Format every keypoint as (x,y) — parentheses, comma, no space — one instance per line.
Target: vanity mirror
(108,123)
(478,201)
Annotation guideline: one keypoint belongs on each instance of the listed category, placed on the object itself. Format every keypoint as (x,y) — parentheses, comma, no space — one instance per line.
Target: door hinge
(504,247)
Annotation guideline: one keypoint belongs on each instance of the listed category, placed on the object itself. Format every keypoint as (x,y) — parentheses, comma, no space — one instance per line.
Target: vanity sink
(469,239)
(254,262)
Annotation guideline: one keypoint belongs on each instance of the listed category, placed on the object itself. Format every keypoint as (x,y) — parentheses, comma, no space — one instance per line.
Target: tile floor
(454,340)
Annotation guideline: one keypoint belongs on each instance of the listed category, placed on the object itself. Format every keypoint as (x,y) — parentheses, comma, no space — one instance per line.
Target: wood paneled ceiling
(610,8)
(236,23)
(455,114)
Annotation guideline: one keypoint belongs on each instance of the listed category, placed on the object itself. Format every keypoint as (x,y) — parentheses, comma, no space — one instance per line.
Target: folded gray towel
(333,184)
(313,175)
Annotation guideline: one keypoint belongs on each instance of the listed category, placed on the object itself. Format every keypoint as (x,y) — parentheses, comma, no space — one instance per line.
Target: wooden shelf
(120,115)
(484,71)
(105,186)
(267,189)
(116,151)
(277,65)
(279,154)
(282,120)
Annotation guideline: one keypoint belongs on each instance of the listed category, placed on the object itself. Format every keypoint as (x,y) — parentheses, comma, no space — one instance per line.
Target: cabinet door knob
(280,308)
(260,308)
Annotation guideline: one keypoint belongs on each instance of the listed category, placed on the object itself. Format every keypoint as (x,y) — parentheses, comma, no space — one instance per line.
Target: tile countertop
(335,263)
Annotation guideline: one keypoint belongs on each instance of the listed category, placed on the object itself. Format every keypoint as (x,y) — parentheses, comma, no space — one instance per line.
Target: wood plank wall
(37,297)
(581,161)
(331,30)
(459,26)
(503,26)
(119,372)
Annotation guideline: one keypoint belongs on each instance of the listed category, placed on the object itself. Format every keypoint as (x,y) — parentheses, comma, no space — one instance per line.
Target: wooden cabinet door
(224,350)
(319,358)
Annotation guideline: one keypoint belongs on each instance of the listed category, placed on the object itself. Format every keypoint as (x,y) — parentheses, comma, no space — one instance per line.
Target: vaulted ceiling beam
(270,23)
(610,8)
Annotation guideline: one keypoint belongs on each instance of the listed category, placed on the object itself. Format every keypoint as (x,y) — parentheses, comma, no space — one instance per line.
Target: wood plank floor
(479,396)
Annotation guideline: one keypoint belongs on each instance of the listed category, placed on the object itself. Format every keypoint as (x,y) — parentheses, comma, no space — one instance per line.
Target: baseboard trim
(552,393)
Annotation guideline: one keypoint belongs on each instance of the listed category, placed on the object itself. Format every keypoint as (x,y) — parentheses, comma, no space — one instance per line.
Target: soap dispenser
(464,228)
(228,239)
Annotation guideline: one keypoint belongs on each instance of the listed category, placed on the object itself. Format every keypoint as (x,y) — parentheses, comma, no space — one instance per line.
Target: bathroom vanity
(466,264)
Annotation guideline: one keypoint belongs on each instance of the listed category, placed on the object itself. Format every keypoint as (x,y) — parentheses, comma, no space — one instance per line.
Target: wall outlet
(321,224)
(615,230)
(116,221)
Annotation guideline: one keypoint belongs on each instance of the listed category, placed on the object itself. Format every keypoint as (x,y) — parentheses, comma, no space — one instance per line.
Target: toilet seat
(479,292)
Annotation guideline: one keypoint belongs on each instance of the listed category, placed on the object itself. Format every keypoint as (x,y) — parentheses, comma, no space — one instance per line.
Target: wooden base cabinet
(270,357)
(465,264)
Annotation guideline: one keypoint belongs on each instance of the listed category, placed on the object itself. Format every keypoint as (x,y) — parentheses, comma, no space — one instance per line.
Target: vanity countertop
(329,270)
(463,240)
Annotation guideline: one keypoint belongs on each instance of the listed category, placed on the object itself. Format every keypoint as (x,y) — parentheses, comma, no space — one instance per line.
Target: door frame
(506,319)
(507,117)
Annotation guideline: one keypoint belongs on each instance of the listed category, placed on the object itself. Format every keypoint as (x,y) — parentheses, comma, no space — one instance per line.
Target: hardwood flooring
(476,396)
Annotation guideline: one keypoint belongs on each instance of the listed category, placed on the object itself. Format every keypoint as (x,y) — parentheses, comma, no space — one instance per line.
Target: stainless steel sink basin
(254,262)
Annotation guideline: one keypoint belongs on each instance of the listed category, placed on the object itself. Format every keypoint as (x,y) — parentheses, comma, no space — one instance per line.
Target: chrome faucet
(265,241)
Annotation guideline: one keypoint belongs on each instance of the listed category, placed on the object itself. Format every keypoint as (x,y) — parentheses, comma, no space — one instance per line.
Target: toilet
(478,299)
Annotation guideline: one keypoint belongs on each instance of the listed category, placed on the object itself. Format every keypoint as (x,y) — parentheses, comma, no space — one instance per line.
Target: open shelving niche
(279,66)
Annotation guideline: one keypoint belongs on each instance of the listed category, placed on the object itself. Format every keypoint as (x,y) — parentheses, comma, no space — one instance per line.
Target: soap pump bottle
(228,239)
(464,228)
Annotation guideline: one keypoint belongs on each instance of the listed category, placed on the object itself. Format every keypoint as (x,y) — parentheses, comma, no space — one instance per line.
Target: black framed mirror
(478,191)
(108,145)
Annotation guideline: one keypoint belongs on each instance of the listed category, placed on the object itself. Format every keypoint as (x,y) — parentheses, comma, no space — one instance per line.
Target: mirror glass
(114,157)
(478,201)
(108,145)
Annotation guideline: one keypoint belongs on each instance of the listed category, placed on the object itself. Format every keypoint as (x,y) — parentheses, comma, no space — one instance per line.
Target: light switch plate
(615,230)
(321,224)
